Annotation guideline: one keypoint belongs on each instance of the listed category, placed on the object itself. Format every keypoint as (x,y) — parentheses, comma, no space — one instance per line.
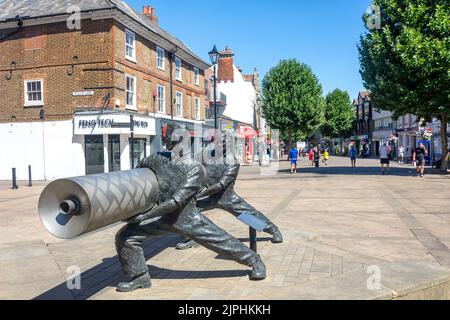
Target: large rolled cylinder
(71,207)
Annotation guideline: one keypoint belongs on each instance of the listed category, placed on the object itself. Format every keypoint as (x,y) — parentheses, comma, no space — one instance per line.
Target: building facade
(408,129)
(364,126)
(238,104)
(69,91)
(384,129)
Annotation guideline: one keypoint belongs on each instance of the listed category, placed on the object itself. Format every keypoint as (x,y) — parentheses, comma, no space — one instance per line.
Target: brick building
(364,124)
(238,104)
(71,71)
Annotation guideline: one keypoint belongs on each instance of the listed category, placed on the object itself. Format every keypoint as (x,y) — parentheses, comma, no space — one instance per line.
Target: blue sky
(320,33)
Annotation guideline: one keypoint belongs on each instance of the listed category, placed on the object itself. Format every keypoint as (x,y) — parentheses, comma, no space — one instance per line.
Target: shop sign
(247,132)
(113,124)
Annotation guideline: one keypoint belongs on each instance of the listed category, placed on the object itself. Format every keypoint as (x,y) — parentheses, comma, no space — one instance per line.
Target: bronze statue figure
(219,194)
(180,183)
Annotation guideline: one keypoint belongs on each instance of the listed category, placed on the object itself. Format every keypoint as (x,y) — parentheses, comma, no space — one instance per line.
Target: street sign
(253,221)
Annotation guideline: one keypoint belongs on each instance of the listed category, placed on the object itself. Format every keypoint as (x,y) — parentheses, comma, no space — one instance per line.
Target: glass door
(140,151)
(114,153)
(95,160)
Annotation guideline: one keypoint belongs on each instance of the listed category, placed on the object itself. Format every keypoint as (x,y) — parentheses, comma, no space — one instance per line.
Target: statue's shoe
(258,270)
(277,237)
(187,245)
(140,282)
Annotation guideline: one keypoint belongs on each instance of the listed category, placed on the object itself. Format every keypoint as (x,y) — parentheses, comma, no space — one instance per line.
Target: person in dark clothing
(317,156)
(419,156)
(413,151)
(179,182)
(220,194)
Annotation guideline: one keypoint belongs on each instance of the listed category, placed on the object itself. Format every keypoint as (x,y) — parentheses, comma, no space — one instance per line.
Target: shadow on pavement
(108,273)
(358,171)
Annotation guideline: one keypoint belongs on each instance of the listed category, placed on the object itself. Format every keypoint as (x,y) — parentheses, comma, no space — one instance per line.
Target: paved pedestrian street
(349,234)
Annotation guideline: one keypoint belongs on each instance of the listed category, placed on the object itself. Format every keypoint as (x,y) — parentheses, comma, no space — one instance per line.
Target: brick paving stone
(335,222)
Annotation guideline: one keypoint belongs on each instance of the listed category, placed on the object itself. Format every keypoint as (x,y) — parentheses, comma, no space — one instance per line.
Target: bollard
(14,179)
(30,183)
(253,240)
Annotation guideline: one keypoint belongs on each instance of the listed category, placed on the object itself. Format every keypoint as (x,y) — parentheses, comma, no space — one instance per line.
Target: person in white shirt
(384,156)
(401,154)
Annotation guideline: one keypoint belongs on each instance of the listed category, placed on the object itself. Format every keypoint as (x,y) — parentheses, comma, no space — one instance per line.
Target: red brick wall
(225,70)
(47,52)
(149,76)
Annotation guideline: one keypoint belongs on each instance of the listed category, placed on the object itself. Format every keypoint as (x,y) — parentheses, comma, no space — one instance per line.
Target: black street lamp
(214,56)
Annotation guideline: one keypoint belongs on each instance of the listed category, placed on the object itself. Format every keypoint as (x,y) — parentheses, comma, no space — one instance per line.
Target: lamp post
(214,56)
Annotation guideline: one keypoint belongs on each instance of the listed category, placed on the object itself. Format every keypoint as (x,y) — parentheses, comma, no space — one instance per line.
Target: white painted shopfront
(90,143)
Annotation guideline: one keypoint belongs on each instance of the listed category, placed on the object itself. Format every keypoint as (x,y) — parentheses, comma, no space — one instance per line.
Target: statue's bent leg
(235,205)
(199,228)
(129,241)
(204,204)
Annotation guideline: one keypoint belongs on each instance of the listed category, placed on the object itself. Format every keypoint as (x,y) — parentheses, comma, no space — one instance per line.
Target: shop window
(94,153)
(140,151)
(114,153)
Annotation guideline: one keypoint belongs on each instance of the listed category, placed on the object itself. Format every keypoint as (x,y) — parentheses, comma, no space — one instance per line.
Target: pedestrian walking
(413,160)
(317,157)
(293,155)
(401,154)
(448,155)
(419,157)
(326,156)
(384,156)
(353,153)
(311,156)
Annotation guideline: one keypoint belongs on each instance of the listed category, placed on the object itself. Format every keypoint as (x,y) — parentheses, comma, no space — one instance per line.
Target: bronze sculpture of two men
(182,182)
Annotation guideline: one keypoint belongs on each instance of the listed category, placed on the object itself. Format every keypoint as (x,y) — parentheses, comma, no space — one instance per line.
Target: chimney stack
(150,12)
(225,70)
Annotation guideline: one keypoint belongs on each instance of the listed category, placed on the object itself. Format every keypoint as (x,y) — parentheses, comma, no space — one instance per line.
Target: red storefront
(245,136)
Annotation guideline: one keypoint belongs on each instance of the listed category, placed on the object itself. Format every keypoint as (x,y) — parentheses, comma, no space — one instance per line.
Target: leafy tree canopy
(339,114)
(293,101)
(405,63)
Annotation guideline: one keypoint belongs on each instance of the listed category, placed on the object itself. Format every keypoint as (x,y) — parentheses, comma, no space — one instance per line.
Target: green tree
(292,100)
(339,115)
(405,60)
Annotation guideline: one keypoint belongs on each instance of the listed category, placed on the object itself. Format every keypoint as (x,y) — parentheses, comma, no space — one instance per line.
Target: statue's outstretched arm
(227,179)
(179,200)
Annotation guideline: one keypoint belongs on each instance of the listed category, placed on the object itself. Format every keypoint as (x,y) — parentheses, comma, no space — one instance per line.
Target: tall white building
(238,106)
